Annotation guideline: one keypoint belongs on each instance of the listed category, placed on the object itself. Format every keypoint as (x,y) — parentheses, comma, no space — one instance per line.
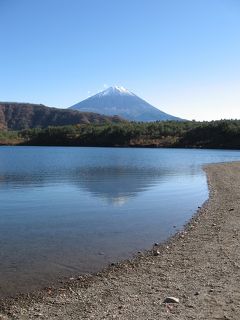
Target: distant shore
(199,266)
(130,146)
(222,134)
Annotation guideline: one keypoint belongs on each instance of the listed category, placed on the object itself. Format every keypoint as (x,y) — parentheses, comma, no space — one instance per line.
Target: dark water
(65,211)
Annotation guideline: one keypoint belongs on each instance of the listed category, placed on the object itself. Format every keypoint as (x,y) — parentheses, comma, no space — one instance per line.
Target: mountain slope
(18,116)
(120,101)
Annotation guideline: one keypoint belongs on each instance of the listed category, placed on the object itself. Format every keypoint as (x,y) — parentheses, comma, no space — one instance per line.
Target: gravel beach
(199,267)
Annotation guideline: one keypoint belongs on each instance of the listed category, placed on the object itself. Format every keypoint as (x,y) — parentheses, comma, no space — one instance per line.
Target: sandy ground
(200,267)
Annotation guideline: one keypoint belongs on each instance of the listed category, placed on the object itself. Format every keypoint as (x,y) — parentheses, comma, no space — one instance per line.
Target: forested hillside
(18,116)
(214,134)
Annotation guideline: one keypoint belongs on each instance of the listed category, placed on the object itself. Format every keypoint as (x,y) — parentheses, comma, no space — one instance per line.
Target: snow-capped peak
(120,101)
(116,90)
(121,89)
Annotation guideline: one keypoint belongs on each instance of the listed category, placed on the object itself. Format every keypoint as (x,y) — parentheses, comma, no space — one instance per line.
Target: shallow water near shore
(66,211)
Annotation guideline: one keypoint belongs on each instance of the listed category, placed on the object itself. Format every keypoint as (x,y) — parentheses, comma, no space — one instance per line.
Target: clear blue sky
(181,56)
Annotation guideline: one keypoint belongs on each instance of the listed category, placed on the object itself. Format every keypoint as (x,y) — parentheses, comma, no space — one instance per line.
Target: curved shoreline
(199,266)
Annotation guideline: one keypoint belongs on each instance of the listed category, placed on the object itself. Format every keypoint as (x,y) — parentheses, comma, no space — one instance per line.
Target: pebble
(156,253)
(38,315)
(171,300)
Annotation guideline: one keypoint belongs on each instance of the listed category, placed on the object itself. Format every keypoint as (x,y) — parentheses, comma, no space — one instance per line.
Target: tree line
(213,134)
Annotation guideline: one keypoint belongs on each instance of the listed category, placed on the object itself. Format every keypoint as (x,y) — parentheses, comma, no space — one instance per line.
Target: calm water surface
(67,211)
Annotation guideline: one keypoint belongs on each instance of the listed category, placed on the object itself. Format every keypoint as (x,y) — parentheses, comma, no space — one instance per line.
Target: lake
(66,211)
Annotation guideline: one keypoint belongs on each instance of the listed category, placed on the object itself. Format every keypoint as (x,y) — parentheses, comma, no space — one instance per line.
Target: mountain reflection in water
(116,185)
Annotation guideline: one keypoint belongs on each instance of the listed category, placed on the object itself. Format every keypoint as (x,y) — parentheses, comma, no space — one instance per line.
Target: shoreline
(128,146)
(184,147)
(192,266)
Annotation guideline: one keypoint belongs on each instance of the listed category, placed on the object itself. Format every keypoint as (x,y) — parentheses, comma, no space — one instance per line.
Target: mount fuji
(122,102)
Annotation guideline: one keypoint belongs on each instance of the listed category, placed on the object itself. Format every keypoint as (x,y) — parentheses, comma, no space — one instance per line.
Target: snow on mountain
(119,101)
(115,90)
